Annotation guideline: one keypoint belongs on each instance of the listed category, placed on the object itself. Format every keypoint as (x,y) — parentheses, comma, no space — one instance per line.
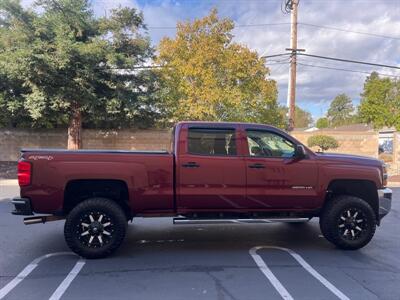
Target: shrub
(324,142)
(322,123)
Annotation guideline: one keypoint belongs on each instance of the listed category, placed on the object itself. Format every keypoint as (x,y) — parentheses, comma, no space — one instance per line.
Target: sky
(316,87)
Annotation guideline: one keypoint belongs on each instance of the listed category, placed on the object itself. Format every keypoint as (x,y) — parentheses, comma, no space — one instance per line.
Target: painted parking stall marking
(32,266)
(278,285)
(68,280)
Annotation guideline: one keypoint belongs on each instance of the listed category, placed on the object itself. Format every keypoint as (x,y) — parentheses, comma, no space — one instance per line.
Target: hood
(347,158)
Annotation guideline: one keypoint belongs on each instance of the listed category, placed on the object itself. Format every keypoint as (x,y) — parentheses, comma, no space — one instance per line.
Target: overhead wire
(345,70)
(377,35)
(349,31)
(350,61)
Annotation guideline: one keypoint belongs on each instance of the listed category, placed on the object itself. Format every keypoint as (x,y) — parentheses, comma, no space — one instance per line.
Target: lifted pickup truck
(214,171)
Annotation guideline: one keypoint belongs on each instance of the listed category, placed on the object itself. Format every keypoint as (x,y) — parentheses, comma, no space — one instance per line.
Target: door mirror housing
(300,152)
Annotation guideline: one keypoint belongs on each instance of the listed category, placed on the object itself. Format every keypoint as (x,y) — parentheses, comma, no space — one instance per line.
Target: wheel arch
(363,189)
(79,190)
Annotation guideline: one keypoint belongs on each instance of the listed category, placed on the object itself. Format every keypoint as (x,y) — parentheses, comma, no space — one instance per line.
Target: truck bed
(146,175)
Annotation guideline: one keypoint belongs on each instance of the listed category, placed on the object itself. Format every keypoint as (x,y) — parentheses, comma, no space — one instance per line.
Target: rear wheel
(95,228)
(348,222)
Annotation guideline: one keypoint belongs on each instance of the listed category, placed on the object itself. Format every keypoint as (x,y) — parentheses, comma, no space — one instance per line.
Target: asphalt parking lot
(159,260)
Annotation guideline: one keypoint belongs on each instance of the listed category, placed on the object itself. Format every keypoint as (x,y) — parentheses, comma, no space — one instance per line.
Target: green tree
(380,102)
(341,111)
(64,66)
(206,76)
(303,118)
(324,142)
(322,123)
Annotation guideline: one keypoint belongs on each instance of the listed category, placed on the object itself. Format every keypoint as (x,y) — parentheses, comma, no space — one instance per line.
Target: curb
(8,182)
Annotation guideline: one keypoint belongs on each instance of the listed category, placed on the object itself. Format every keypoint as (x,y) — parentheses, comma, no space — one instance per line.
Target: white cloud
(320,85)
(316,87)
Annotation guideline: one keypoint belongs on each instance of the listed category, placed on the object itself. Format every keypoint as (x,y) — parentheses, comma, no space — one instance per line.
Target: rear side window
(219,142)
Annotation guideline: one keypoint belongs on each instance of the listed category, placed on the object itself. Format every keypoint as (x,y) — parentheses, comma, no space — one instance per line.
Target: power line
(277,63)
(275,55)
(350,61)
(346,70)
(286,59)
(264,24)
(236,25)
(350,31)
(300,23)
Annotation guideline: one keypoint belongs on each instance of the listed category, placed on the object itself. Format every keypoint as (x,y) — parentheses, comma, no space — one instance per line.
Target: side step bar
(186,221)
(41,219)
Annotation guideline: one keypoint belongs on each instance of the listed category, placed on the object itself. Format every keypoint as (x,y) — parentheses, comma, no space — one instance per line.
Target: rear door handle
(257,166)
(191,164)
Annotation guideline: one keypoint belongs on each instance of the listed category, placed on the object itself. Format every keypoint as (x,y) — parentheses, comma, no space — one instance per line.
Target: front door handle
(191,164)
(257,166)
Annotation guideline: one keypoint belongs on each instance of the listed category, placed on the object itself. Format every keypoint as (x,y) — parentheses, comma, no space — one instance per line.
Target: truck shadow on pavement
(305,235)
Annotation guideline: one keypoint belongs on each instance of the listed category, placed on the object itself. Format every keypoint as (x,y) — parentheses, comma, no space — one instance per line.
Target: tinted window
(212,141)
(269,144)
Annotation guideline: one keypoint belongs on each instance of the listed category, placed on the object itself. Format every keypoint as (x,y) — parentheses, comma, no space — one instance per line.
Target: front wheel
(348,222)
(95,228)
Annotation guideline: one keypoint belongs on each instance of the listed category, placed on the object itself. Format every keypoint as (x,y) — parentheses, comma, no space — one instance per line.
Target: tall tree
(380,102)
(341,111)
(206,76)
(303,118)
(70,67)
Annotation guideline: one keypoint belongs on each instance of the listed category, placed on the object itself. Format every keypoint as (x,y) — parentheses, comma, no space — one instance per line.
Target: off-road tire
(348,222)
(95,228)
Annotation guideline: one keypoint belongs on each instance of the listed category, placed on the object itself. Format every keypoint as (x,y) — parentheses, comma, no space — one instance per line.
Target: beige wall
(127,139)
(359,143)
(352,142)
(395,167)
(11,141)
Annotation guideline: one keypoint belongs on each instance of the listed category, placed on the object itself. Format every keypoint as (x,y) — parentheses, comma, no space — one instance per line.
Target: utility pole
(291,97)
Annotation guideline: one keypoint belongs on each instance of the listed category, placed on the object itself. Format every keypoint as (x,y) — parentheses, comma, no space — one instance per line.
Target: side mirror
(256,151)
(300,152)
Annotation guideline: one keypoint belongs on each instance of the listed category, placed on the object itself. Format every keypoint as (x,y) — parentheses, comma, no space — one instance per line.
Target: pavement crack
(221,289)
(363,285)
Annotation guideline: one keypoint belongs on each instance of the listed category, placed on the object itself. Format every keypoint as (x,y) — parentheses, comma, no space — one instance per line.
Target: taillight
(24,173)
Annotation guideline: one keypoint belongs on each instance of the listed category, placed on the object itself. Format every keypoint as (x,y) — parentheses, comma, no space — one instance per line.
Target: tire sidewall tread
(332,210)
(95,204)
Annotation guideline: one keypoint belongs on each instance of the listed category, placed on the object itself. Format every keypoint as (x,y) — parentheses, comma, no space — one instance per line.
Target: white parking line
(277,284)
(67,281)
(29,268)
(268,273)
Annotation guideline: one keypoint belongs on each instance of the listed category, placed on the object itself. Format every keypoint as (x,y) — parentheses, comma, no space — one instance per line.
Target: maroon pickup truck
(228,171)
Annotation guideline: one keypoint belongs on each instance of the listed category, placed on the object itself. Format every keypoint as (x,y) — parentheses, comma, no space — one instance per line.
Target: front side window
(220,142)
(269,144)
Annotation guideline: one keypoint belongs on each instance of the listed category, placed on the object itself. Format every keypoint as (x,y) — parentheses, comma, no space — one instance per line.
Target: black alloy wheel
(95,228)
(348,222)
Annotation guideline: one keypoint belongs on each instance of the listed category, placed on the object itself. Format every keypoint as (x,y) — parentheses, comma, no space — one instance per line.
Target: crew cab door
(275,178)
(210,174)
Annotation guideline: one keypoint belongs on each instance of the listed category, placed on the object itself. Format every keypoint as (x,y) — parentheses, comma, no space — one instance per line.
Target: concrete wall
(11,141)
(395,166)
(352,142)
(363,143)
